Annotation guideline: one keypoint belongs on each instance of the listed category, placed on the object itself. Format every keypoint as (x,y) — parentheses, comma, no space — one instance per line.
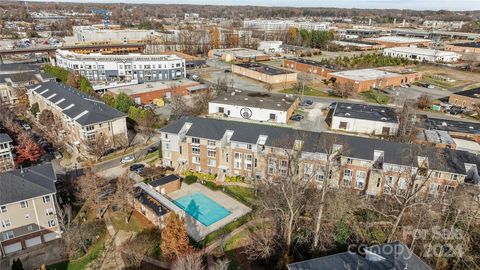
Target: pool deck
(197,230)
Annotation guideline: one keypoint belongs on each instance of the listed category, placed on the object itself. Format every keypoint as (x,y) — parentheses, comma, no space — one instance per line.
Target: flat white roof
(422,51)
(355,44)
(400,39)
(150,86)
(365,74)
(467,145)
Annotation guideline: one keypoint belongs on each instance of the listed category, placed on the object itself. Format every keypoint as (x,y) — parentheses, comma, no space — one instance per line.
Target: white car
(127,159)
(26,126)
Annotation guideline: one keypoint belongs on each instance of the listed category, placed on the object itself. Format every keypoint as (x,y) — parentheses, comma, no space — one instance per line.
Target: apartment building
(27,208)
(97,67)
(83,118)
(259,151)
(6,158)
(280,25)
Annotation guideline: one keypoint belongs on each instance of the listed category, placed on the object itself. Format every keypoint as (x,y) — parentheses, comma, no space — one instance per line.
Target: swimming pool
(202,208)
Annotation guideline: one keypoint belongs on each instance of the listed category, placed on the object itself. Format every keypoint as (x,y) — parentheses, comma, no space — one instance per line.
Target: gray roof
(269,70)
(318,142)
(393,256)
(17,67)
(5,138)
(451,125)
(164,180)
(80,107)
(27,183)
(472,93)
(366,112)
(25,77)
(255,100)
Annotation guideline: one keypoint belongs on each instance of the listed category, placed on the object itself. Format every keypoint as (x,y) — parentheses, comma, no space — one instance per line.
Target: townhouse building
(82,119)
(6,158)
(98,67)
(256,151)
(27,208)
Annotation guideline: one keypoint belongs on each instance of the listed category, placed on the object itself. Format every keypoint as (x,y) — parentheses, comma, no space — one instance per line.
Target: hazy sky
(382,4)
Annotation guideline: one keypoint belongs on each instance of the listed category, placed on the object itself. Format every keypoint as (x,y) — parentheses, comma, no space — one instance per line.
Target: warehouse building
(264,107)
(466,98)
(239,54)
(308,66)
(422,55)
(362,118)
(358,45)
(264,73)
(470,47)
(397,41)
(365,79)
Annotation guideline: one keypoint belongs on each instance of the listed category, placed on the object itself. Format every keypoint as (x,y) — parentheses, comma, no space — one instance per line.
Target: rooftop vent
(470,127)
(225,98)
(233,94)
(444,124)
(278,105)
(245,98)
(384,118)
(382,111)
(261,100)
(347,114)
(348,107)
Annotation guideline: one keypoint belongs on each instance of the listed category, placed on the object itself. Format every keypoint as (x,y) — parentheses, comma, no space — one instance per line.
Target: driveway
(314,118)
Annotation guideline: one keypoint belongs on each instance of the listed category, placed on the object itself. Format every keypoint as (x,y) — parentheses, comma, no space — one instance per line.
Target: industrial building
(469,47)
(270,46)
(358,45)
(264,73)
(308,66)
(456,129)
(256,106)
(95,35)
(142,68)
(422,54)
(466,98)
(279,25)
(363,118)
(239,54)
(398,41)
(365,79)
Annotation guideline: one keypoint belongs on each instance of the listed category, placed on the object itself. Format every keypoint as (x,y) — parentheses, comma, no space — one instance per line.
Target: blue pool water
(202,208)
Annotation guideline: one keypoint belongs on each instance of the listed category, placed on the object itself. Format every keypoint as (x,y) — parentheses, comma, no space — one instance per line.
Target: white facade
(422,55)
(99,67)
(270,46)
(249,113)
(363,126)
(93,34)
(278,25)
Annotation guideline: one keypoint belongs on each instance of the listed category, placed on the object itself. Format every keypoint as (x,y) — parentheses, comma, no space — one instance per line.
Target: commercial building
(6,157)
(150,92)
(264,73)
(239,54)
(398,41)
(257,106)
(270,46)
(280,25)
(27,208)
(470,47)
(260,151)
(83,119)
(363,118)
(456,129)
(300,51)
(442,25)
(365,79)
(94,35)
(422,55)
(308,66)
(435,35)
(379,257)
(358,45)
(143,68)
(360,33)
(466,98)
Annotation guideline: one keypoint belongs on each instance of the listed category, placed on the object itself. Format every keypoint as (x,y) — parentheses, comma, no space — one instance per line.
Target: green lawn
(118,222)
(81,263)
(227,229)
(375,97)
(441,83)
(309,91)
(242,194)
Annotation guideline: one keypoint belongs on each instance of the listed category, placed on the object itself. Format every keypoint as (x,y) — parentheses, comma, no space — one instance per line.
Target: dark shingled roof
(468,44)
(312,63)
(472,93)
(366,112)
(451,125)
(164,180)
(318,142)
(5,138)
(17,67)
(86,109)
(27,183)
(394,256)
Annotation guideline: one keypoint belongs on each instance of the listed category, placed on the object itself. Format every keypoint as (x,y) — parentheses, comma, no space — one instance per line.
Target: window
(319,177)
(388,184)
(8,235)
(3,209)
(349,161)
(221,110)
(212,162)
(433,189)
(283,163)
(360,179)
(49,212)
(89,128)
(454,177)
(379,181)
(437,174)
(283,172)
(46,199)
(272,116)
(249,146)
(449,188)
(195,150)
(196,160)
(211,143)
(6,223)
(196,140)
(238,156)
(343,125)
(211,153)
(237,164)
(24,204)
(51,223)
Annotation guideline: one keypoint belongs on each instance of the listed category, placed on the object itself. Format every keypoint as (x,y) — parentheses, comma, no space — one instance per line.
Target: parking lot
(314,117)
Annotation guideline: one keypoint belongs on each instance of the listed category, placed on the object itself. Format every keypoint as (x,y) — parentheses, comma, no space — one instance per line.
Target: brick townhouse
(372,166)
(27,208)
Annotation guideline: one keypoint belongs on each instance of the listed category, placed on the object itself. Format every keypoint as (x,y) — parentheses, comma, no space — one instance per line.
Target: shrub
(190,179)
(212,186)
(202,176)
(237,178)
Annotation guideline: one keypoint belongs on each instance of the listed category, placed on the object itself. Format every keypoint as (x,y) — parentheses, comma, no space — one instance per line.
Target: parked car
(227,71)
(430,86)
(127,159)
(26,126)
(306,102)
(332,106)
(140,171)
(152,149)
(455,110)
(296,117)
(137,166)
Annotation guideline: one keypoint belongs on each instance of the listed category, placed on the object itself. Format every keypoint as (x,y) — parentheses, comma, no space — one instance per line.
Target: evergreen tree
(17,265)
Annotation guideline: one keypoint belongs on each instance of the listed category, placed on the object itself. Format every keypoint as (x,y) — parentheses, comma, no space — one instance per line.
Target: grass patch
(117,154)
(152,155)
(242,194)
(441,83)
(309,91)
(81,263)
(227,229)
(118,222)
(375,97)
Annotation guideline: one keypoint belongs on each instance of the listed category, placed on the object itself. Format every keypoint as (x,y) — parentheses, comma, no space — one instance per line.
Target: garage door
(12,248)
(33,241)
(49,236)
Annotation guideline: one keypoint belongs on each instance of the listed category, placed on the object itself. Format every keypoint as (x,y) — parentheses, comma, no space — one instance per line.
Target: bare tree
(343,90)
(90,187)
(98,146)
(221,264)
(424,101)
(406,126)
(137,249)
(190,261)
(179,106)
(123,194)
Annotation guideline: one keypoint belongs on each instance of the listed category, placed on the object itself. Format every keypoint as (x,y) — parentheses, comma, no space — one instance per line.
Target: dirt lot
(436,74)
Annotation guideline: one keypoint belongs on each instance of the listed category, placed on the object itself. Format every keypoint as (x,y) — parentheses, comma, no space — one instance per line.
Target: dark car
(455,110)
(135,167)
(306,102)
(140,171)
(227,71)
(296,117)
(152,149)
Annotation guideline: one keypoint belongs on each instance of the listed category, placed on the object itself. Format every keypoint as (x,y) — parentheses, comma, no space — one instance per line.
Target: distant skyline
(456,5)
